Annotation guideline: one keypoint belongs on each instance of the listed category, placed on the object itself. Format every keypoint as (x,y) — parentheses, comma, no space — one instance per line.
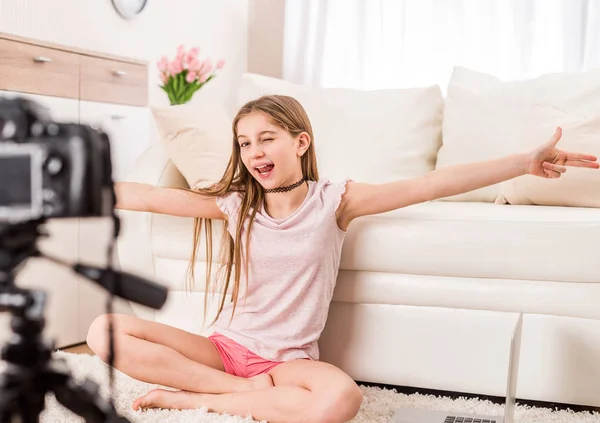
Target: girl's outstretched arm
(173,201)
(545,161)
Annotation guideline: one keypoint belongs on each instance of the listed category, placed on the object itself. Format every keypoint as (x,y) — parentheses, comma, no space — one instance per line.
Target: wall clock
(129,9)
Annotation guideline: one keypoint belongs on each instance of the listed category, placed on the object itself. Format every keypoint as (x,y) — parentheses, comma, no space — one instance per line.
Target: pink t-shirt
(293,268)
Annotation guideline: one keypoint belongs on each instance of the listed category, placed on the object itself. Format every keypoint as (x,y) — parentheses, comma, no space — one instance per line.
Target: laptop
(413,415)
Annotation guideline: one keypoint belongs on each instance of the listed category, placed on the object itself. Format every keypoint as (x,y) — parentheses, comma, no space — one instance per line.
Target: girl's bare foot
(161,398)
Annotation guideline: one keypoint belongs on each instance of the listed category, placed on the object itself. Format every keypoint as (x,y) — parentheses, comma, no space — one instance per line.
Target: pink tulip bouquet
(186,74)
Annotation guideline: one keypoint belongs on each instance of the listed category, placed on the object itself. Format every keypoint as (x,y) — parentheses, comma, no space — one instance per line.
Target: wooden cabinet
(127,127)
(22,64)
(79,87)
(114,82)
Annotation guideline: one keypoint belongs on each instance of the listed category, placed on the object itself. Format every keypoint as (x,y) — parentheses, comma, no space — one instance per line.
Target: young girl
(286,229)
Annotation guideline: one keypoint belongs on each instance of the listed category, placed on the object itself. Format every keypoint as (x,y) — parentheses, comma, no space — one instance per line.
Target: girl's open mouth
(265,171)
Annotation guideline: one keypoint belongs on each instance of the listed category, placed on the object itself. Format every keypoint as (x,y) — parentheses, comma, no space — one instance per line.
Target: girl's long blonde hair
(287,113)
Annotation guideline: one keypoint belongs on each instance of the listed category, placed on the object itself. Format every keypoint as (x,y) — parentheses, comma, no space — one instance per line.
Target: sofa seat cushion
(479,240)
(570,299)
(441,238)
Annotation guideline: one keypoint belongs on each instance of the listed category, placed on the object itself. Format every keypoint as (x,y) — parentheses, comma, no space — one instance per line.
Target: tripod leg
(84,400)
(7,402)
(15,401)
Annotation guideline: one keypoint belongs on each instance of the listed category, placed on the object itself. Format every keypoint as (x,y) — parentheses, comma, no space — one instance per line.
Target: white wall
(219,28)
(266,20)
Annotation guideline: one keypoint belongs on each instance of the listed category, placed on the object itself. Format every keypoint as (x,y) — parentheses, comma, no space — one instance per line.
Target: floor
(378,404)
(79,349)
(84,349)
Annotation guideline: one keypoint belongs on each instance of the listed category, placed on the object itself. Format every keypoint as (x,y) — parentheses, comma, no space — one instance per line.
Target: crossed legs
(296,391)
(304,391)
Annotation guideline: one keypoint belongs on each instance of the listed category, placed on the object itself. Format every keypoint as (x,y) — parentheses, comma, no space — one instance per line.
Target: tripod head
(18,242)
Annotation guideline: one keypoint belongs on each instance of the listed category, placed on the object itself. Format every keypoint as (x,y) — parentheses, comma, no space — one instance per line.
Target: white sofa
(427,295)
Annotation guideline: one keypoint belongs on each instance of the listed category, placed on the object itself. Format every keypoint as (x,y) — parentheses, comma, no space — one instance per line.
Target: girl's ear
(303,143)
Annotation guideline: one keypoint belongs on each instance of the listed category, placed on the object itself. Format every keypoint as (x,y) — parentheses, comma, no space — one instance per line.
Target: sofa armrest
(154,167)
(134,246)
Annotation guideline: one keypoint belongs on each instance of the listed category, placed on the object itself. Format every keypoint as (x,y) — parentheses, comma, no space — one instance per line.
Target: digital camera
(50,169)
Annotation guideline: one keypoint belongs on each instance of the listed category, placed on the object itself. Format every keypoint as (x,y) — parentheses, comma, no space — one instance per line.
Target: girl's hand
(547,161)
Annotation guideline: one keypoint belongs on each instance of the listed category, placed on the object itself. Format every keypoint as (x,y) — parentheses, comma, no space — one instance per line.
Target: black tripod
(31,371)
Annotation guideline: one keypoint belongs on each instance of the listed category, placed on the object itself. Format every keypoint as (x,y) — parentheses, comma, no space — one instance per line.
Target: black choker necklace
(288,188)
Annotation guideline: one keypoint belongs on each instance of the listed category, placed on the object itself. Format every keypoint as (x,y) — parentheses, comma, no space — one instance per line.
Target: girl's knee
(97,335)
(340,404)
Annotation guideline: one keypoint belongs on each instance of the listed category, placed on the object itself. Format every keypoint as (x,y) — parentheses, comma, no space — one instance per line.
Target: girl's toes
(160,398)
(152,399)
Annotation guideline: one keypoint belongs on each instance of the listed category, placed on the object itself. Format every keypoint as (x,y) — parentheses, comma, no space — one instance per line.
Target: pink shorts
(239,360)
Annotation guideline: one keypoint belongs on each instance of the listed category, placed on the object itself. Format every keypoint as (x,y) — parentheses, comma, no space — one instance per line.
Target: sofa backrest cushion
(486,118)
(197,138)
(369,136)
(578,187)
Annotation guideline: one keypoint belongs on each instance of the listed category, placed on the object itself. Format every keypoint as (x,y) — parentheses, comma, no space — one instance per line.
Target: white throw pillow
(577,187)
(197,138)
(485,117)
(369,136)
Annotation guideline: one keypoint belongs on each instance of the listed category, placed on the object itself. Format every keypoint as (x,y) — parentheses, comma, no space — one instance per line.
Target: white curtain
(374,44)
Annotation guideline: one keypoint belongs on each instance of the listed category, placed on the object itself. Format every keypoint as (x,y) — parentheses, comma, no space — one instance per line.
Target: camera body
(50,169)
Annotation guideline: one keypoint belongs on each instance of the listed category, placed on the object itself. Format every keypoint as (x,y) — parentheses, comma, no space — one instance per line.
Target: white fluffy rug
(378,405)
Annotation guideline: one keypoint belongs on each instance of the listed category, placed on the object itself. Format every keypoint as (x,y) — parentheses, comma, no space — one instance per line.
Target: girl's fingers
(554,167)
(552,174)
(581,156)
(581,163)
